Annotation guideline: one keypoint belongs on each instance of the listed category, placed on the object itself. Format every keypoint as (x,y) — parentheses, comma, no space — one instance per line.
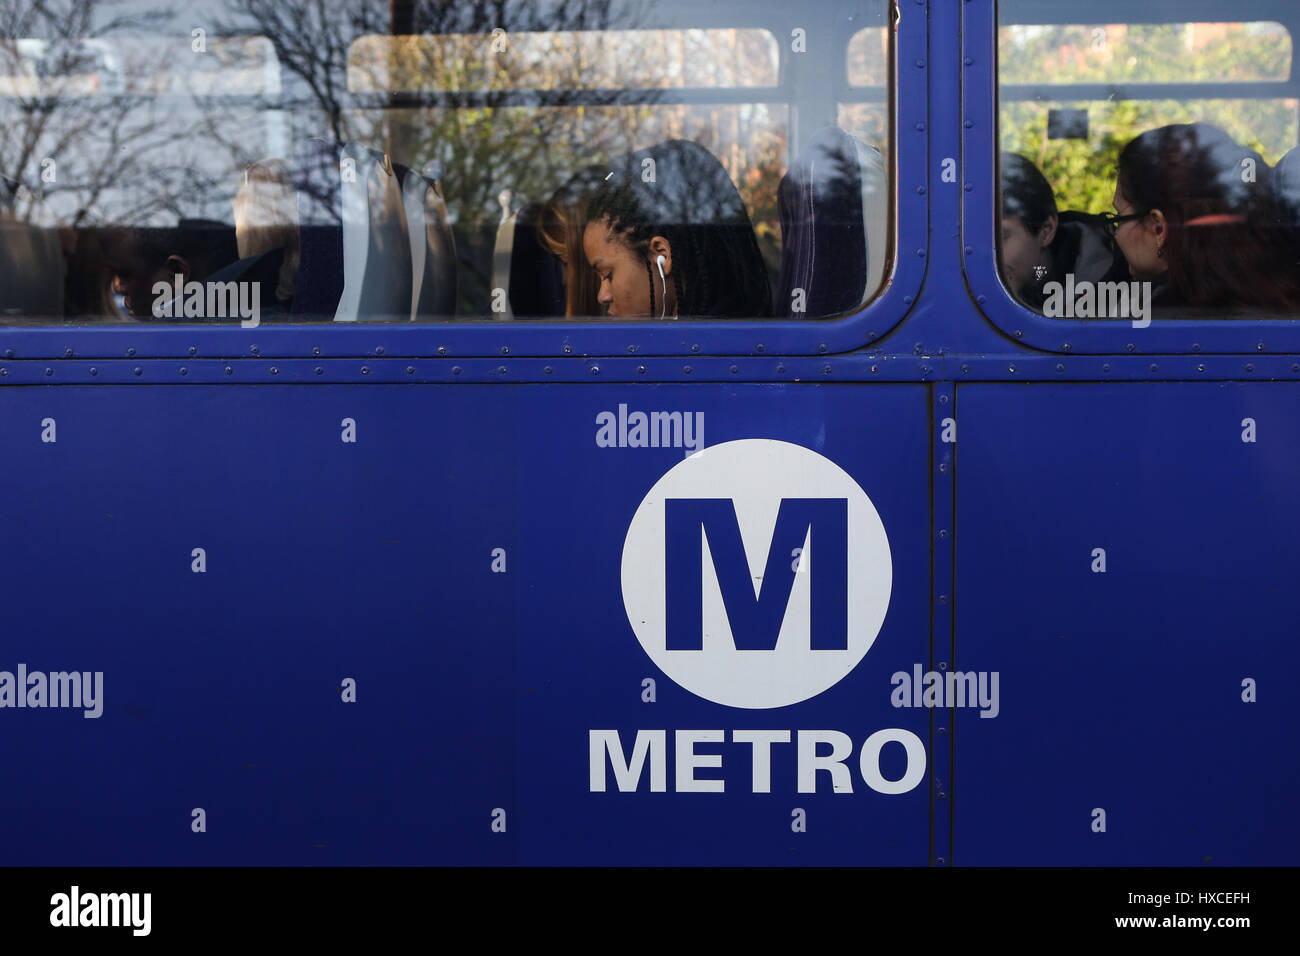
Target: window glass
(360,160)
(1148,170)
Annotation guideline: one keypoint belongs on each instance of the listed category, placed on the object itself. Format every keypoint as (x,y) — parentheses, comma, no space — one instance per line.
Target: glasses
(1111,222)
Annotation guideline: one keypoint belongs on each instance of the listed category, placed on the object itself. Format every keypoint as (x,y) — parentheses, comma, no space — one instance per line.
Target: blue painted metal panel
(475,690)
(1123,690)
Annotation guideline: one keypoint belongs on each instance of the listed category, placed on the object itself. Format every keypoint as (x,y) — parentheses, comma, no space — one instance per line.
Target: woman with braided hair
(669,237)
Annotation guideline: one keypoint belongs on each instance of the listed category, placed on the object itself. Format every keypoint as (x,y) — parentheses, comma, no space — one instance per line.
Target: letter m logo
(755,614)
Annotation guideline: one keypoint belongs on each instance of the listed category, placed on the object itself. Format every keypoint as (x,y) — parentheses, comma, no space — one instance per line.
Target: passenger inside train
(668,236)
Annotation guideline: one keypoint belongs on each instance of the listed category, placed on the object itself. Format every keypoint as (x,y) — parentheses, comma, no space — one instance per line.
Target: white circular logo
(756,573)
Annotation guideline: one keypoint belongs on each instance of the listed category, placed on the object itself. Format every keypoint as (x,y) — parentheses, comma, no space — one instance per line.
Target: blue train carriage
(657,433)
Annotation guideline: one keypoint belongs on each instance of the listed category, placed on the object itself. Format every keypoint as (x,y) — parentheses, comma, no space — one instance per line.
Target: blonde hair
(266,218)
(560,229)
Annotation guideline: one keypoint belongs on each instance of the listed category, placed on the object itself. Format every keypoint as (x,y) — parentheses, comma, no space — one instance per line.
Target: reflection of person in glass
(1195,215)
(669,237)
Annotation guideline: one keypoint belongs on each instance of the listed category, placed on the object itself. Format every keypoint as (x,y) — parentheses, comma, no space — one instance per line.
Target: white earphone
(663,310)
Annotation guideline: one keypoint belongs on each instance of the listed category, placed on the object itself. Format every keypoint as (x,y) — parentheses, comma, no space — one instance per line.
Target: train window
(1148,169)
(398,162)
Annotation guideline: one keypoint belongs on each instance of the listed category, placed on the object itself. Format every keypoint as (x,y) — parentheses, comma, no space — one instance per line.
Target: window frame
(484,338)
(981,217)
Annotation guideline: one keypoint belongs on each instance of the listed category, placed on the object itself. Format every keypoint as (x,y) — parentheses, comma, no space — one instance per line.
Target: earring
(1160,252)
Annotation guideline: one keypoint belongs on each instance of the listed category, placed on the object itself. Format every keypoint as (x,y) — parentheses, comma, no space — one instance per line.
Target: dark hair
(1228,243)
(680,191)
(1026,192)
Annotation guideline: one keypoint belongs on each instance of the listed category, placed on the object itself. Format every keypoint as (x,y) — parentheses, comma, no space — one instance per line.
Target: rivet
(943,533)
(826,370)
(1196,346)
(1249,367)
(9,353)
(759,347)
(1154,367)
(568,349)
(969,187)
(319,370)
(968,124)
(595,370)
(93,371)
(943,598)
(254,350)
(1259,346)
(1011,369)
(780,369)
(130,352)
(938,859)
(193,350)
(1200,366)
(980,299)
(1060,367)
(184,370)
(920,190)
(1106,367)
(379,350)
(410,370)
(920,127)
(968,61)
(941,730)
(505,350)
(875,369)
(969,250)
(442,350)
(631,350)
(547,370)
(1295,367)
(5,371)
(455,370)
(942,467)
(943,399)
(920,64)
(1066,347)
(137,370)
(315,350)
(67,353)
(1129,347)
(965,369)
(49,371)
(921,253)
(640,369)
(734,369)
(942,796)
(695,348)
(925,369)
(943,665)
(365,370)
(274,370)
(501,370)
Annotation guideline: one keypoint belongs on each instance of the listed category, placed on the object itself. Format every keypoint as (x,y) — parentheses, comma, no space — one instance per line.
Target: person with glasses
(1040,245)
(1195,215)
